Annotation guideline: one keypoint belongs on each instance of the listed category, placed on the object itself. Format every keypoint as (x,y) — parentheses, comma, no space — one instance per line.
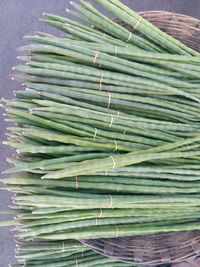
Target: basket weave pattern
(150,249)
(168,247)
(182,27)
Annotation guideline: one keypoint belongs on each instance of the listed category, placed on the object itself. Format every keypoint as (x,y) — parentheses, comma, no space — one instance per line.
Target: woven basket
(161,248)
(182,27)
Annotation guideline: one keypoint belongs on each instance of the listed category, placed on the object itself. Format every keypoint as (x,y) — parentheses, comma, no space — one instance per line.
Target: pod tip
(66,25)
